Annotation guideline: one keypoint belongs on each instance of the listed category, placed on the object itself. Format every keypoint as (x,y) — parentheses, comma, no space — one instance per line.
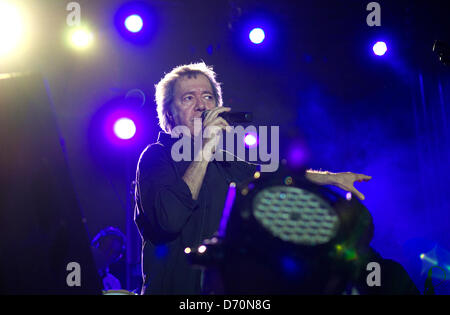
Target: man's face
(192,96)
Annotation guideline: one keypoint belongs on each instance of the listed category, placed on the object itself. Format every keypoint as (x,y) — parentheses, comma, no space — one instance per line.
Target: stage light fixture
(11,28)
(124,128)
(251,140)
(295,215)
(118,123)
(81,38)
(380,48)
(201,249)
(281,234)
(134,23)
(257,35)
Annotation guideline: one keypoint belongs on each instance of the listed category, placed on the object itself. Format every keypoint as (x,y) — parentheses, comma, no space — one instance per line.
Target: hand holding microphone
(213,124)
(219,119)
(233,118)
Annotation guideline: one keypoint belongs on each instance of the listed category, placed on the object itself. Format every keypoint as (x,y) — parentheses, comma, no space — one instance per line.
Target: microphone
(234,118)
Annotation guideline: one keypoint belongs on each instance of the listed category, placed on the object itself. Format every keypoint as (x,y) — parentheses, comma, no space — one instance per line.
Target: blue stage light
(257,35)
(134,23)
(379,48)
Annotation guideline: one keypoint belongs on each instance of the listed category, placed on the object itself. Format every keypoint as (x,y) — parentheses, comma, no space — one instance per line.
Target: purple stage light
(257,35)
(124,128)
(229,201)
(251,140)
(348,196)
(134,23)
(379,48)
(297,154)
(201,249)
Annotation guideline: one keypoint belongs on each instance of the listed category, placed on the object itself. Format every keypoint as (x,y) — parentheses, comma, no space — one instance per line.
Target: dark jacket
(169,220)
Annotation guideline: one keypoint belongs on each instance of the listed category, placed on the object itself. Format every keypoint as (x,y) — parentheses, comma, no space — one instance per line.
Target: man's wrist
(321,177)
(203,157)
(194,175)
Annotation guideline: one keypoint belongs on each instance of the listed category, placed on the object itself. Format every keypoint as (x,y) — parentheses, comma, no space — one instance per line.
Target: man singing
(180,203)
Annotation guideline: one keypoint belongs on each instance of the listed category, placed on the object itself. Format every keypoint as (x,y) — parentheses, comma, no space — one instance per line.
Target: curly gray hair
(166,86)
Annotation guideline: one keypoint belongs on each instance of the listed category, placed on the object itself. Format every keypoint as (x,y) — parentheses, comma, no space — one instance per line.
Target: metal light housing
(282,234)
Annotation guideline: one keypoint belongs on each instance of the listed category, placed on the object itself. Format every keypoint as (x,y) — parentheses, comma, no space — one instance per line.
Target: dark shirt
(169,220)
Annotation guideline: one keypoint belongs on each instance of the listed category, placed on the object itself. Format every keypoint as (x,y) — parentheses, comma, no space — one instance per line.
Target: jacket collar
(166,139)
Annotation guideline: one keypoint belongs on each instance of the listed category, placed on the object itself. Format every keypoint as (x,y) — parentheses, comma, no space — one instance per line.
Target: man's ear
(169,117)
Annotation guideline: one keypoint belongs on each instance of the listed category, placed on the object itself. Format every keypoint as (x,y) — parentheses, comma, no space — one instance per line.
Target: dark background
(338,106)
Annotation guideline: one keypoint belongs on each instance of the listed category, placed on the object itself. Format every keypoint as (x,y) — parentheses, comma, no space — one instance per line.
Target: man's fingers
(358,194)
(219,121)
(213,113)
(363,178)
(346,181)
(215,127)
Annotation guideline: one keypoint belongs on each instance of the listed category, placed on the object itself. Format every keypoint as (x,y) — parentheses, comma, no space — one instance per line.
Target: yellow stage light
(81,38)
(11,28)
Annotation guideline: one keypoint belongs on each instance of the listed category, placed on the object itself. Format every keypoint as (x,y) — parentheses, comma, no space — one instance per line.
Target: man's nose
(200,104)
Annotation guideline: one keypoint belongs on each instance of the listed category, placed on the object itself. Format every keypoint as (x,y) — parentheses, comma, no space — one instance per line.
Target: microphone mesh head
(295,215)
